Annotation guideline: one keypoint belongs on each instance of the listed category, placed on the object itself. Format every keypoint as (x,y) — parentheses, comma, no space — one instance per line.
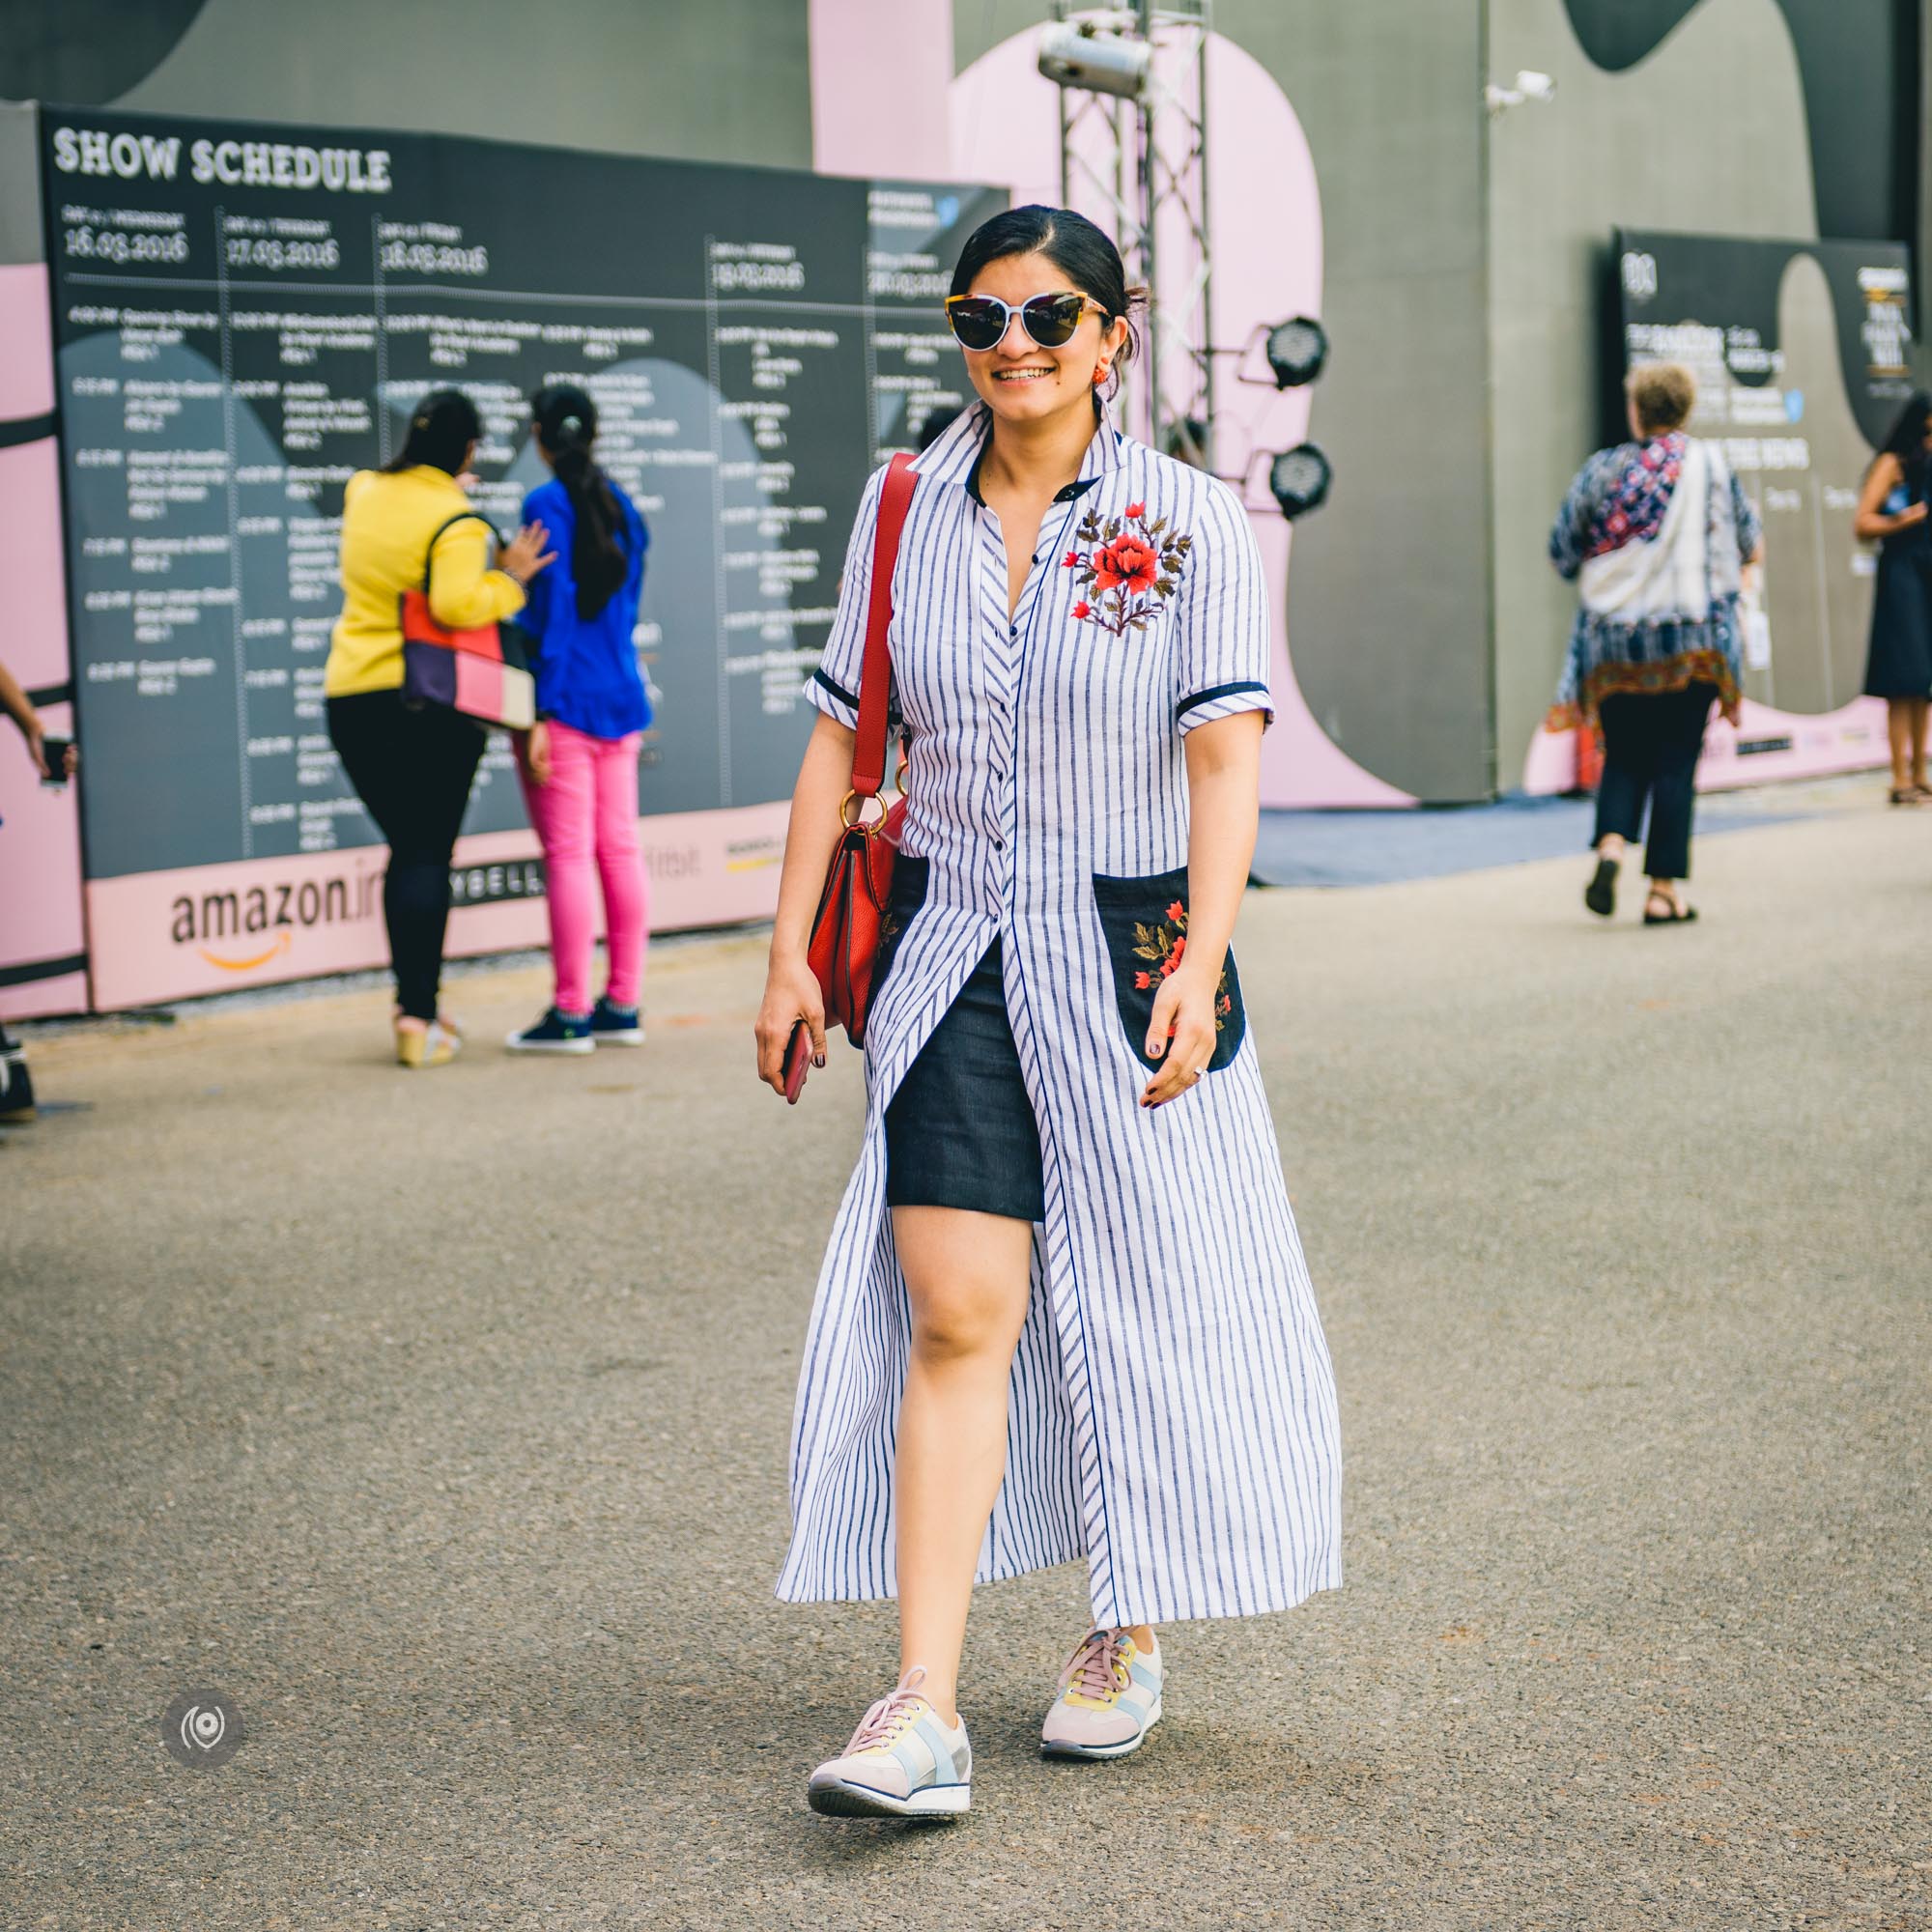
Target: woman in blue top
(580,763)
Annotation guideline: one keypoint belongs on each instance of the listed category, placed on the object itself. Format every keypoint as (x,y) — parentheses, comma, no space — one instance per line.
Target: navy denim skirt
(960,1131)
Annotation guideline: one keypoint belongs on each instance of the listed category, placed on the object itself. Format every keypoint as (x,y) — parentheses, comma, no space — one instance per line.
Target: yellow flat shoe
(434,1046)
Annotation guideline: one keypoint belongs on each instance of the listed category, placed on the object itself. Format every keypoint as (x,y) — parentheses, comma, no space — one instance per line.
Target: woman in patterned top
(1657,534)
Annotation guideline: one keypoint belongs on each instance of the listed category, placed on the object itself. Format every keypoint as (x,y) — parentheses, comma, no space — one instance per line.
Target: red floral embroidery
(1133,567)
(1164,947)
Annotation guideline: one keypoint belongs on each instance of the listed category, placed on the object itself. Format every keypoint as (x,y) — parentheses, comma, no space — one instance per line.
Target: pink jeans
(587,815)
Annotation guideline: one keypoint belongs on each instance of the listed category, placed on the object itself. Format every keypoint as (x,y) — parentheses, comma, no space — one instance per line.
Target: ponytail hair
(566,425)
(441,428)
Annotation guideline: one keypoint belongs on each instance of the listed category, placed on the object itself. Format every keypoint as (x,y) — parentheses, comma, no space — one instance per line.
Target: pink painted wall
(41,916)
(1851,739)
(880,72)
(705,868)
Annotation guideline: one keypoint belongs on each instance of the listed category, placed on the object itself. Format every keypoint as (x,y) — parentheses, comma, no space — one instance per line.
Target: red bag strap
(875,677)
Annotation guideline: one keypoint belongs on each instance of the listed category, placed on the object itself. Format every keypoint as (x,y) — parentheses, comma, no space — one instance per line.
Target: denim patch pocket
(903,899)
(1144,921)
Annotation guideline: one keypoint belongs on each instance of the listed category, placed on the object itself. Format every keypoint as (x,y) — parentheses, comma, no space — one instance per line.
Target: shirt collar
(974,433)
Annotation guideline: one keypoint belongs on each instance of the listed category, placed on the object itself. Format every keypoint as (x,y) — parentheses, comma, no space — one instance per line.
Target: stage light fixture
(1296,352)
(1093,59)
(1298,480)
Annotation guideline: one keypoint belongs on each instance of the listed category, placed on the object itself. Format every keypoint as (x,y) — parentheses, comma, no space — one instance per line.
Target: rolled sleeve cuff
(1223,701)
(834,699)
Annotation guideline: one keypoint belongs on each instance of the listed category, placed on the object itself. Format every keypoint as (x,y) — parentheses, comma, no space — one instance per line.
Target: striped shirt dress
(1172,1416)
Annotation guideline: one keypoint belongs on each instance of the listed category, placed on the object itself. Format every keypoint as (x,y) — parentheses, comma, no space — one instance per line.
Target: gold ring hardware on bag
(856,822)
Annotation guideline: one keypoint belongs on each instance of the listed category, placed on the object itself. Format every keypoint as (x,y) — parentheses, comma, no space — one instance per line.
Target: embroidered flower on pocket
(1130,565)
(1163,947)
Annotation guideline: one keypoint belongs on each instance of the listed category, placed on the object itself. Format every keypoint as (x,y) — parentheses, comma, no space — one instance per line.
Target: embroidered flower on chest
(1131,565)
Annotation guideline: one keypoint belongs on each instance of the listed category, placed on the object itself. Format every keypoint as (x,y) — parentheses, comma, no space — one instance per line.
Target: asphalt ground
(439,1423)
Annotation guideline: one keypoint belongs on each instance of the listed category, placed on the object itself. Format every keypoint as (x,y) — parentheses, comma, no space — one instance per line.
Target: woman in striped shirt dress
(1063,1312)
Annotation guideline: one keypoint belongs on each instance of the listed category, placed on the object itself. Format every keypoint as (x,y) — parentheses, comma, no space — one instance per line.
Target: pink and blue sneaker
(1109,1698)
(902,1763)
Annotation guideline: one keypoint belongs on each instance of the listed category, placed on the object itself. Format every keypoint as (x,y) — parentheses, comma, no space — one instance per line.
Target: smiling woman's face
(1017,378)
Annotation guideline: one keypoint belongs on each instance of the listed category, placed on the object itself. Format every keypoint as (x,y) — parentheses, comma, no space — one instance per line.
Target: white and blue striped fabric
(1173,1408)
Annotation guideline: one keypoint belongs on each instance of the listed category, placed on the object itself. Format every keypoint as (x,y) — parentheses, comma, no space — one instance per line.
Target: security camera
(1529,85)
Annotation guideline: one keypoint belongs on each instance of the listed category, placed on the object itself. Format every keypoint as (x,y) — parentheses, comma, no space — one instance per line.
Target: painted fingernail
(818,1060)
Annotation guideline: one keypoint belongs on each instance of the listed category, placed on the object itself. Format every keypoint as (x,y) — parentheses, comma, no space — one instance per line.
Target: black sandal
(1671,917)
(1600,894)
(1909,795)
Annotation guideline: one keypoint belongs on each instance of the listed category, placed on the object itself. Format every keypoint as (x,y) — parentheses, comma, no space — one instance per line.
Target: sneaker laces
(890,1714)
(1096,1668)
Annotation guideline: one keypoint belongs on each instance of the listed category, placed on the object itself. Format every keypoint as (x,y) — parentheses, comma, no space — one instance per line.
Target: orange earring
(1099,374)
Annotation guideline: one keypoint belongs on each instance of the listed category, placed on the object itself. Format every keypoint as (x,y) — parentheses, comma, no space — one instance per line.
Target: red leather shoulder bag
(845,929)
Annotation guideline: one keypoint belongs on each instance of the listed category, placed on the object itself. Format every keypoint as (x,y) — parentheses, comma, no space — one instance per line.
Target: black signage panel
(1800,353)
(246,315)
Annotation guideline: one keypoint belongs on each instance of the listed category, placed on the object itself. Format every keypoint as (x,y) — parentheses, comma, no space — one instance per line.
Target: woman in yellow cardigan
(413,764)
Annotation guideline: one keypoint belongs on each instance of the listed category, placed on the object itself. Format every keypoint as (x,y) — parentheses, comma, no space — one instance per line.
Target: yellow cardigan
(387,524)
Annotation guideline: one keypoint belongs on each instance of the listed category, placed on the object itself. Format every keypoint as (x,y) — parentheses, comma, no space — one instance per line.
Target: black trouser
(1651,742)
(412,767)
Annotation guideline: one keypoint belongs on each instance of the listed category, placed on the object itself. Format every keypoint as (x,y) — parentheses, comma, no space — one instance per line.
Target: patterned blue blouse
(1619,496)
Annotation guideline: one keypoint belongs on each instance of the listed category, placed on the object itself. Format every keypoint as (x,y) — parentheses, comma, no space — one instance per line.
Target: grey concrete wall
(723,80)
(1603,153)
(22,239)
(1388,588)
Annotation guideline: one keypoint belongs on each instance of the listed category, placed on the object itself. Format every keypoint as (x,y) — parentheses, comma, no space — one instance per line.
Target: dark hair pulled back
(566,423)
(1906,439)
(1083,253)
(441,428)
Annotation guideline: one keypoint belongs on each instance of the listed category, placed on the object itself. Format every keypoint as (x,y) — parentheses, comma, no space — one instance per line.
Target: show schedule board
(246,315)
(1801,352)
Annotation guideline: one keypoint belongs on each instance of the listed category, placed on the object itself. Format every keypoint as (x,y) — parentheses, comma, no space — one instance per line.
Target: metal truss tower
(1146,161)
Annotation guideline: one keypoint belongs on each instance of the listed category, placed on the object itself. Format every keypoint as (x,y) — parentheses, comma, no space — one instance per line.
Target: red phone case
(798,1060)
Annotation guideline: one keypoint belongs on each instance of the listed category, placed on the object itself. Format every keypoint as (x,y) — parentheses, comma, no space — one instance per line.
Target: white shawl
(1692,560)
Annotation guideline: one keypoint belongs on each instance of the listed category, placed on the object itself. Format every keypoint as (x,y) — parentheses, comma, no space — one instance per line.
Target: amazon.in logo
(248,926)
(201,1729)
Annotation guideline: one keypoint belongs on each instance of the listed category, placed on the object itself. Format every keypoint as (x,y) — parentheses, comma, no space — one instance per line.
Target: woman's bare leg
(966,1275)
(1919,708)
(1898,731)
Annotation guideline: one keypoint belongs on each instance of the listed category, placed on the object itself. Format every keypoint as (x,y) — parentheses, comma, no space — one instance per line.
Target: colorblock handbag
(483,672)
(844,937)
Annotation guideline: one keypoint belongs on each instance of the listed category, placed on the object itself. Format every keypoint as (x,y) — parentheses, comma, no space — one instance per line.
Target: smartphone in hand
(54,751)
(797,1061)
